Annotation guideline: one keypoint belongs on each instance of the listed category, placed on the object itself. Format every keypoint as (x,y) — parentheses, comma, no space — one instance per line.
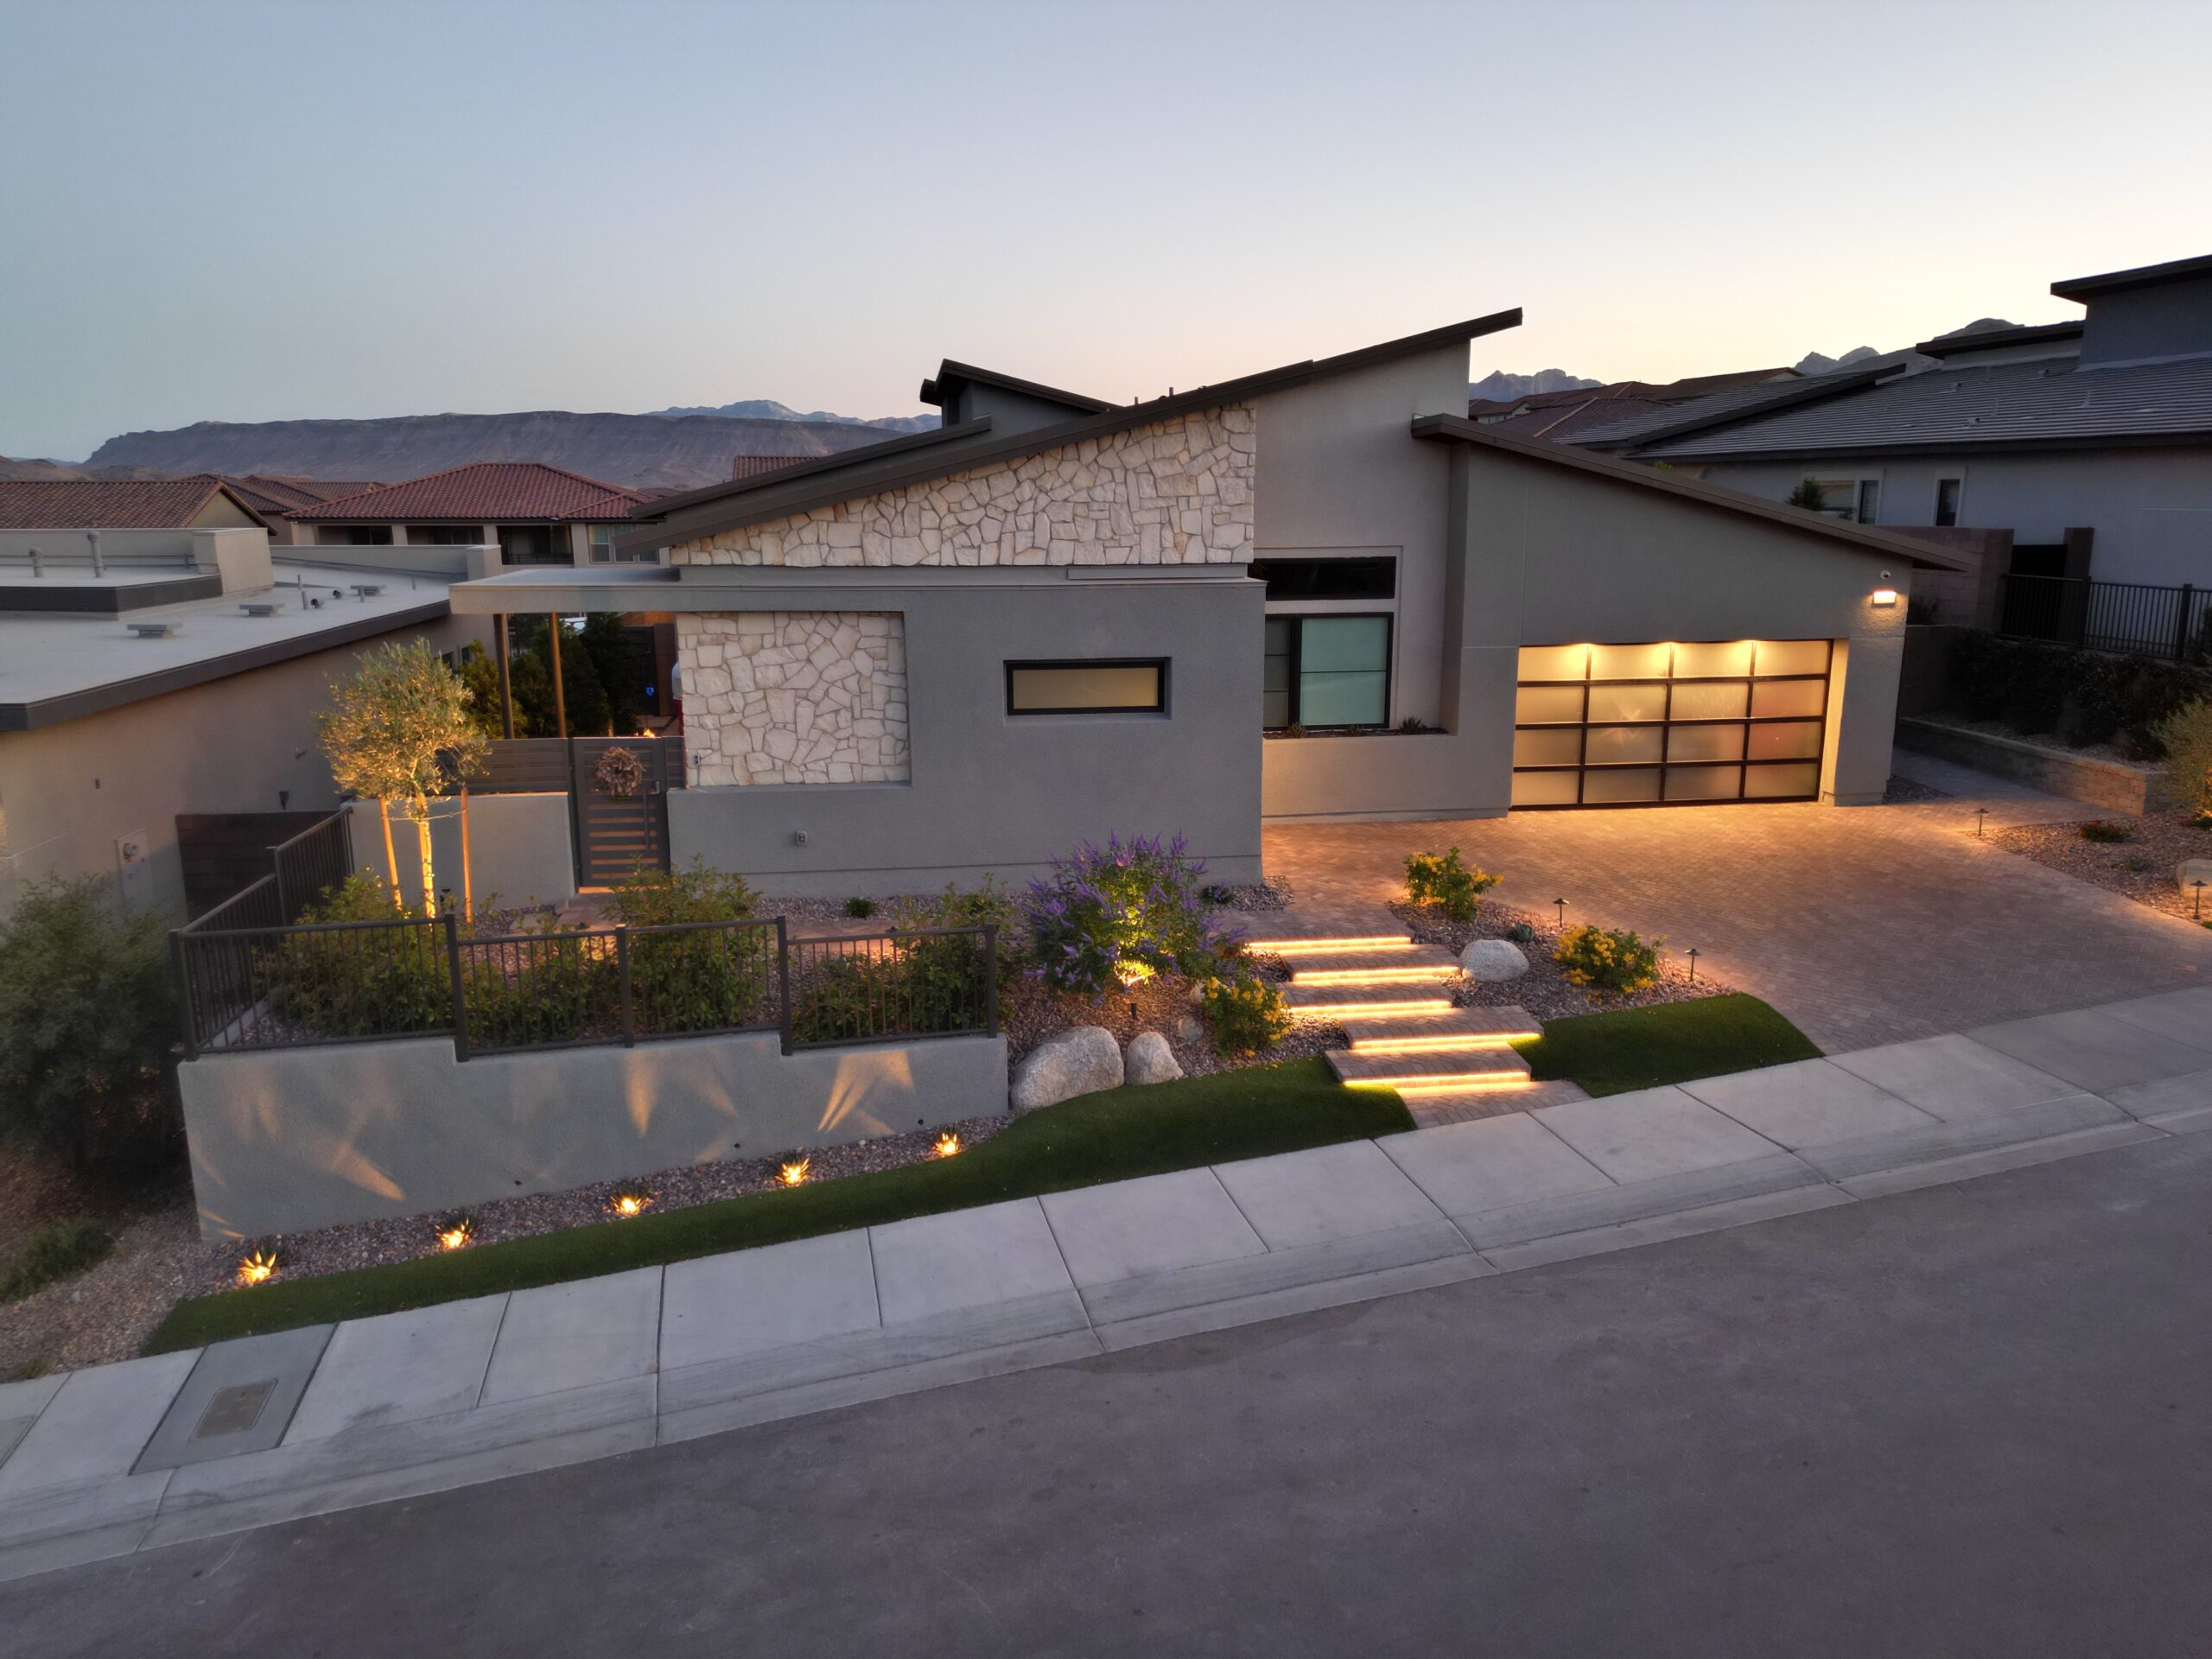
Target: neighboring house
(272,497)
(966,650)
(1560,416)
(76,507)
(533,513)
(2084,442)
(180,676)
(745,467)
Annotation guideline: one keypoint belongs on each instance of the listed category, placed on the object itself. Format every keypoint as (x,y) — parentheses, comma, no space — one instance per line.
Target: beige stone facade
(1176,493)
(795,697)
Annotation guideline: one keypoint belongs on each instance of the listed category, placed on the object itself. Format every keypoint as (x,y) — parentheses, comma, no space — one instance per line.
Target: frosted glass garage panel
(1705,743)
(1710,700)
(1772,699)
(1546,788)
(1704,783)
(1732,660)
(1770,783)
(1628,703)
(1624,787)
(1548,705)
(1790,739)
(1790,657)
(1555,662)
(1630,662)
(1553,746)
(1612,745)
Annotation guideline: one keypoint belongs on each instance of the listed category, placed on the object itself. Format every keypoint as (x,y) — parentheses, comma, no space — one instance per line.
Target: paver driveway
(1863,924)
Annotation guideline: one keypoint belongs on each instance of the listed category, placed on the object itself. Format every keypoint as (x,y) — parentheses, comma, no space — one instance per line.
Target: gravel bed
(104,1314)
(1544,990)
(2159,842)
(1905,792)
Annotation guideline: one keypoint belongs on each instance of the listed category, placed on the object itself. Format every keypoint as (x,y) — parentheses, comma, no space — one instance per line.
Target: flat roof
(55,666)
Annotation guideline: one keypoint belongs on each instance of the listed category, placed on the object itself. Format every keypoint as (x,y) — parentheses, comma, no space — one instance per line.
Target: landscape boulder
(1150,1059)
(1190,1028)
(1492,961)
(1078,1061)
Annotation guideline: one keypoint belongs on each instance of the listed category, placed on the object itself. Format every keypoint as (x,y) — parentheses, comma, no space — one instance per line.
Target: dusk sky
(247,213)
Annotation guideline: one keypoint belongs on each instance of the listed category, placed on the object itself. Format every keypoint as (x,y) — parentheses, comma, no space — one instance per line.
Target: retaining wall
(288,1141)
(2057,772)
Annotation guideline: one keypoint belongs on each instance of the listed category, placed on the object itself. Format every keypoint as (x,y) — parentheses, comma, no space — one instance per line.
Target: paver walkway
(119,1458)
(1862,924)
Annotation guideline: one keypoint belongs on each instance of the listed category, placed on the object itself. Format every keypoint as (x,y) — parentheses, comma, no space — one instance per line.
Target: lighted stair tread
(1457,1022)
(1427,959)
(1302,944)
(1354,996)
(1476,1065)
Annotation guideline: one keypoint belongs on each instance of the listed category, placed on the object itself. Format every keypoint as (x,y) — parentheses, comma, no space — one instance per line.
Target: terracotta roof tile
(106,503)
(489,491)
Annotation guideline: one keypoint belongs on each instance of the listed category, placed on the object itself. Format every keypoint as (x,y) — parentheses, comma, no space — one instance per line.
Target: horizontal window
(1120,686)
(1376,578)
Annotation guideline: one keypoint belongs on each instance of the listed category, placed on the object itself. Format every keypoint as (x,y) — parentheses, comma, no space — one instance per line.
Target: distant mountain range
(1498,386)
(673,452)
(766,408)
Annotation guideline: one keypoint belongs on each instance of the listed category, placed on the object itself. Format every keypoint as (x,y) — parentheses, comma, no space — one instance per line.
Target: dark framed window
(1100,685)
(1366,578)
(1677,723)
(1946,502)
(444,535)
(363,536)
(1328,671)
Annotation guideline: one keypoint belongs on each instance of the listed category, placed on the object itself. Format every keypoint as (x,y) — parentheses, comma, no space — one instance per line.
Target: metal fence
(247,980)
(2133,619)
(311,863)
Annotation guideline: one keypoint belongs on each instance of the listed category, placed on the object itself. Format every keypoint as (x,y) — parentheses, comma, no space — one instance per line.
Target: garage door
(1653,724)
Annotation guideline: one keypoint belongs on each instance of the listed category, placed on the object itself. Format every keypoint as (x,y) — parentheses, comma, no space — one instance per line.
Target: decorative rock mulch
(1544,990)
(2159,844)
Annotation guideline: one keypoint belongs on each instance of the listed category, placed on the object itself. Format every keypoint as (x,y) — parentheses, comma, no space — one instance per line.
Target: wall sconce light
(1884,595)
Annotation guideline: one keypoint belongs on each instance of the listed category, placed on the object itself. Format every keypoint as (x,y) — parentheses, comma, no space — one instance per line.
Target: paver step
(1458,1068)
(1414,962)
(1368,1002)
(1487,1027)
(1297,946)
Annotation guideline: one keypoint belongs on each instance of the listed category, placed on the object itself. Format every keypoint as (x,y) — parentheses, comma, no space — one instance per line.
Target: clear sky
(256,212)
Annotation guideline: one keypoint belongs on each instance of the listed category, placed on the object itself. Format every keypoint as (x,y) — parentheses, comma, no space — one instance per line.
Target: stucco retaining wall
(293,1140)
(2057,772)
(520,850)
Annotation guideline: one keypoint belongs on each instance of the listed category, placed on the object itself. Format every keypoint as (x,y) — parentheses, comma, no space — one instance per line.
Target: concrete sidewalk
(242,1434)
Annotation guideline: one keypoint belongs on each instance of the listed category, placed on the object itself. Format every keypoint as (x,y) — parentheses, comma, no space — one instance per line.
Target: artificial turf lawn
(1111,1136)
(1673,1042)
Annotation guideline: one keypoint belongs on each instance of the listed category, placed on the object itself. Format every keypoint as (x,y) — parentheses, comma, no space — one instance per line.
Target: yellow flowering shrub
(1603,959)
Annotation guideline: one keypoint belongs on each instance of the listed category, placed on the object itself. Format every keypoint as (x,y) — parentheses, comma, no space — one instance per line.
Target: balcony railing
(2133,619)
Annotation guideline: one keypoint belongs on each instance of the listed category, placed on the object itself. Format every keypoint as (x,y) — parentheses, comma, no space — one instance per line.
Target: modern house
(272,497)
(1559,415)
(2085,441)
(533,513)
(1316,592)
(151,677)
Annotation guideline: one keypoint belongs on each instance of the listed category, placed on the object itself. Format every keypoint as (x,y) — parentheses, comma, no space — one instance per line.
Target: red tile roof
(269,494)
(108,503)
(489,492)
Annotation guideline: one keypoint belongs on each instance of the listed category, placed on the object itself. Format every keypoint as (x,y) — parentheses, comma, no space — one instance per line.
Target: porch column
(506,679)
(560,699)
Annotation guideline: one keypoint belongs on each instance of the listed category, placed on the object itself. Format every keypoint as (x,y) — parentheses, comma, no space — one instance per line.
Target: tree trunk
(390,857)
(421,813)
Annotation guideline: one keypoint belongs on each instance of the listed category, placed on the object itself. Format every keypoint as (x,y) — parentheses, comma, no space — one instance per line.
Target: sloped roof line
(446,495)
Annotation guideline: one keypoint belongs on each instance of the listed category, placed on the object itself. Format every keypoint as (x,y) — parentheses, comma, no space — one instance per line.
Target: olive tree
(394,729)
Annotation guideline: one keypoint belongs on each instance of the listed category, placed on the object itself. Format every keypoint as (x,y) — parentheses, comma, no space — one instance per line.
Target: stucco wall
(987,791)
(68,792)
(1176,493)
(795,697)
(520,848)
(2151,509)
(289,1140)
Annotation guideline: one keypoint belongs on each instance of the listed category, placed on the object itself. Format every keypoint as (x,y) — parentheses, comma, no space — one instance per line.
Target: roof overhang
(759,506)
(1991,340)
(1790,394)
(1452,428)
(1843,453)
(812,466)
(2115,282)
(950,376)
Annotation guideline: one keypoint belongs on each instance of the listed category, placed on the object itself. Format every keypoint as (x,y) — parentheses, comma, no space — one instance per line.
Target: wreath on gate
(619,773)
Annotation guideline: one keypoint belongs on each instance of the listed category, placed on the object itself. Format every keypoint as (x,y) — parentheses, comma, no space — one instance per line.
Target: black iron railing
(2133,618)
(308,866)
(247,980)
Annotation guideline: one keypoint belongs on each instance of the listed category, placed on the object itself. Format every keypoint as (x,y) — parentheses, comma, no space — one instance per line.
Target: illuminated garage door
(1657,724)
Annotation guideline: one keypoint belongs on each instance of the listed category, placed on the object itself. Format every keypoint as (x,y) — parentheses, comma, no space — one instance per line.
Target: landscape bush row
(2084,697)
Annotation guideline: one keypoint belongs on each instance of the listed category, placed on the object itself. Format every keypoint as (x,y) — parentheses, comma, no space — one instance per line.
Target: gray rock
(1191,1029)
(1150,1059)
(1492,961)
(2192,871)
(1078,1061)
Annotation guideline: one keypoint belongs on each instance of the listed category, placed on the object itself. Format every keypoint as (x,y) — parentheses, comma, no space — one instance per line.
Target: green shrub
(2099,830)
(2087,697)
(700,979)
(87,1016)
(663,898)
(1129,908)
(988,905)
(916,987)
(361,982)
(1441,880)
(547,985)
(858,908)
(1607,960)
(1245,1013)
(55,1251)
(2185,738)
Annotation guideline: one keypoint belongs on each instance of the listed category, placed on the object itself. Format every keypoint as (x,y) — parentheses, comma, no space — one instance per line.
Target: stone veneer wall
(1176,492)
(795,697)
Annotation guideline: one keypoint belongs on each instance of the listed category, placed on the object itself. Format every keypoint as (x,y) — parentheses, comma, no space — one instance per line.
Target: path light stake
(1562,903)
(1980,813)
(2199,885)
(1693,965)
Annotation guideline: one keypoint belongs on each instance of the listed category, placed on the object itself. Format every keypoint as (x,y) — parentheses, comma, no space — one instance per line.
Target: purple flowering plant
(1123,912)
